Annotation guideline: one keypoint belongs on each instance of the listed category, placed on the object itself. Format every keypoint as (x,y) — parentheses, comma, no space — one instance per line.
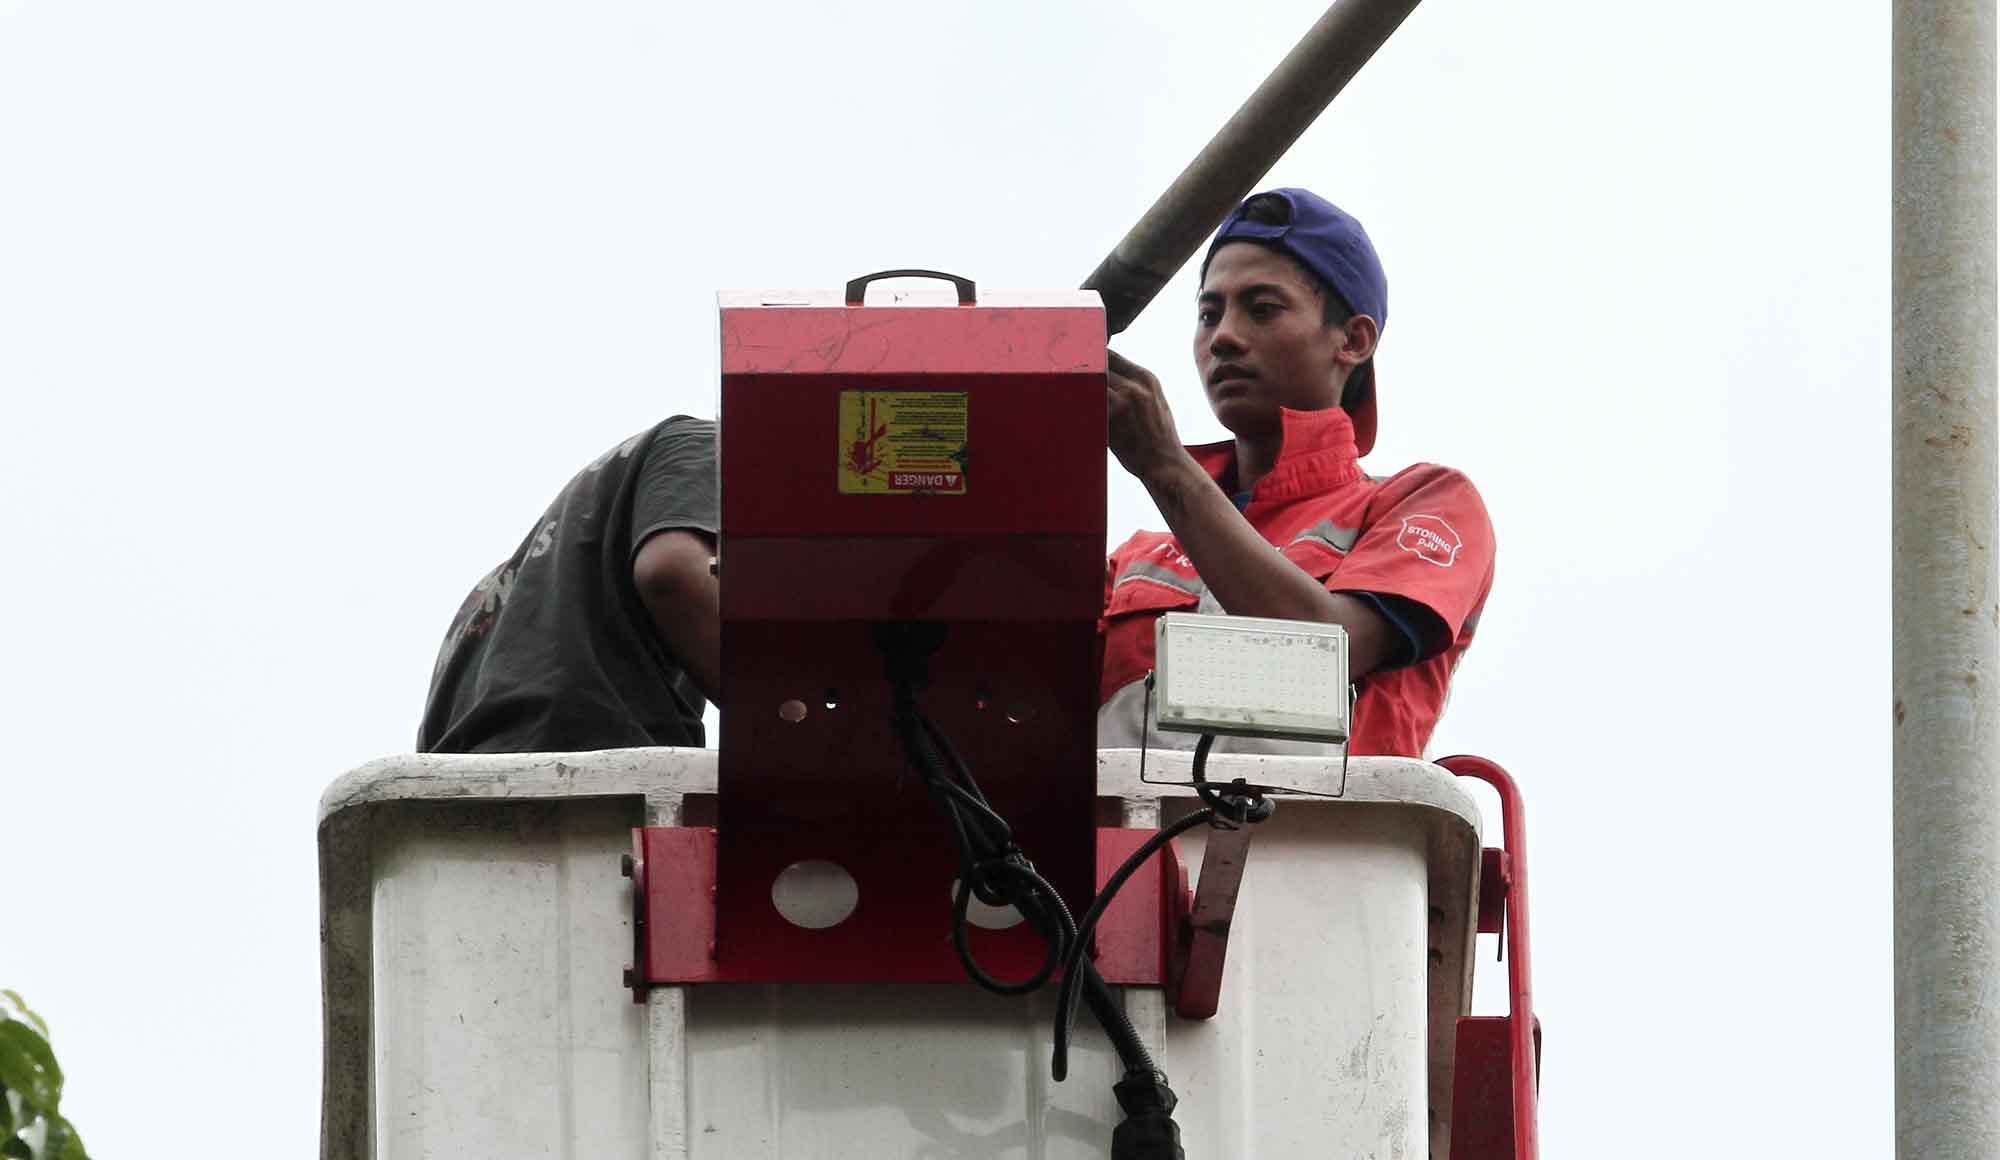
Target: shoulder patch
(1430,539)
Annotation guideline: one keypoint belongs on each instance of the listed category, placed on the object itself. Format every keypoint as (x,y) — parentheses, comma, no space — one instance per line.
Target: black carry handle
(967,293)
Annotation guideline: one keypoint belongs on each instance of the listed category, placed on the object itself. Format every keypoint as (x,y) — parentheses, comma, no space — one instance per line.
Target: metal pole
(1231,164)
(1947,623)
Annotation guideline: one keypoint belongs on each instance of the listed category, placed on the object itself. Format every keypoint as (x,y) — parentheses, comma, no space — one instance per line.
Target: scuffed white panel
(1320,1044)
(852,1072)
(500,1031)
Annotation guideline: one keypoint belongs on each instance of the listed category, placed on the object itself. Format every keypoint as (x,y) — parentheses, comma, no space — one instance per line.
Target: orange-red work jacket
(1421,534)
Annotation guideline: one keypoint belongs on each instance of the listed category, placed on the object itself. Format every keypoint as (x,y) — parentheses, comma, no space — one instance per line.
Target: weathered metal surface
(1202,942)
(500,1029)
(674,904)
(1946,610)
(1484,1086)
(1132,935)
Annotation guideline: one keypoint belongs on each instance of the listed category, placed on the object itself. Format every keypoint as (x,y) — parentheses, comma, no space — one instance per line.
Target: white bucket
(477,925)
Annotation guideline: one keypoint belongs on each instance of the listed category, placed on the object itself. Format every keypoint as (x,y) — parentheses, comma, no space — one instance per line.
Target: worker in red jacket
(1279,520)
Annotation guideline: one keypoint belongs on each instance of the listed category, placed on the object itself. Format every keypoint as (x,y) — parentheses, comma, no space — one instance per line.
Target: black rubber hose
(1110,1013)
(1079,970)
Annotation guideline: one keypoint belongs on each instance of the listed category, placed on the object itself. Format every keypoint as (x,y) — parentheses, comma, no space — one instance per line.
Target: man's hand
(1141,428)
(1248,576)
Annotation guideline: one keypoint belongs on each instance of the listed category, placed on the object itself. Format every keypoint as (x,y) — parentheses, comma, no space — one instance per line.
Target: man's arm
(1248,576)
(683,598)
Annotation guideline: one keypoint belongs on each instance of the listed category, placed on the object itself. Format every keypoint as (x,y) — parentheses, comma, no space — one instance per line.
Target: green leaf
(29,1068)
(21,1005)
(16,1147)
(7,1124)
(62,1143)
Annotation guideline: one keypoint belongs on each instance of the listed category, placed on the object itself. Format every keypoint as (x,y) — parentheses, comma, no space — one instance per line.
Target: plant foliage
(31,1124)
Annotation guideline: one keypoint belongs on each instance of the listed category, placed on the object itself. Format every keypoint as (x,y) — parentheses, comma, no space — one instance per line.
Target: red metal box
(923,460)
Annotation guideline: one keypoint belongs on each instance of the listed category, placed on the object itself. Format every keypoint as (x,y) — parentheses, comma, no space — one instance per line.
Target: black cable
(1228,806)
(1074,964)
(1057,938)
(991,866)
(1104,1004)
(994,869)
(1236,802)
(951,755)
(1199,775)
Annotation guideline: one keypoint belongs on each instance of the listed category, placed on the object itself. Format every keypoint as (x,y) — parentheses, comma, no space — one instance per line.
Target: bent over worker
(1279,520)
(601,630)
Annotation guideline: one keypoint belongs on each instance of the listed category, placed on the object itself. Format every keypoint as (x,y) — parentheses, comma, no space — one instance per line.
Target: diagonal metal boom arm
(1227,168)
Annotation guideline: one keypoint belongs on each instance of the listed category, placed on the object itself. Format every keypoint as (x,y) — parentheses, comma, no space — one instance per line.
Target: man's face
(1260,341)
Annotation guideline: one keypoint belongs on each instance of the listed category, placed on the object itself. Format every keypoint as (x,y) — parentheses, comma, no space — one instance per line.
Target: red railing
(1508,876)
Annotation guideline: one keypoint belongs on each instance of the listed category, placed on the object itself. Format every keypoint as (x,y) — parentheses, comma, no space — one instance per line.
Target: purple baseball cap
(1330,243)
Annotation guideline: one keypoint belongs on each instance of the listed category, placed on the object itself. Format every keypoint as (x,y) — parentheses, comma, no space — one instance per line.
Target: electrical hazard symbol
(902,442)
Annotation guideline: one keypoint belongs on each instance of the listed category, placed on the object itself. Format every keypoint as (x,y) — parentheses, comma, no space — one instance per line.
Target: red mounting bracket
(673,872)
(1496,1074)
(1194,976)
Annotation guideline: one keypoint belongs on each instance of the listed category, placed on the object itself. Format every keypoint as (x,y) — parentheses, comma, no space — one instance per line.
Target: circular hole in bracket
(831,700)
(987,917)
(792,712)
(815,894)
(1020,713)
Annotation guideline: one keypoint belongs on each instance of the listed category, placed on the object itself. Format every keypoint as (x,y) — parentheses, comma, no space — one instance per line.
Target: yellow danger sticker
(902,442)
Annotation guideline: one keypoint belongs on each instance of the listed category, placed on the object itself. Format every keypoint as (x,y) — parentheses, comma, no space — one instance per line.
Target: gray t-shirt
(554,650)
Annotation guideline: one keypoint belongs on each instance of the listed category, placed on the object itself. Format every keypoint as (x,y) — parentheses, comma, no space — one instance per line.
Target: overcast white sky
(306,309)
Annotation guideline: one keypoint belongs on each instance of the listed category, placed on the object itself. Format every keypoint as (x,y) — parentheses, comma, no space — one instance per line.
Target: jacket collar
(1317,454)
